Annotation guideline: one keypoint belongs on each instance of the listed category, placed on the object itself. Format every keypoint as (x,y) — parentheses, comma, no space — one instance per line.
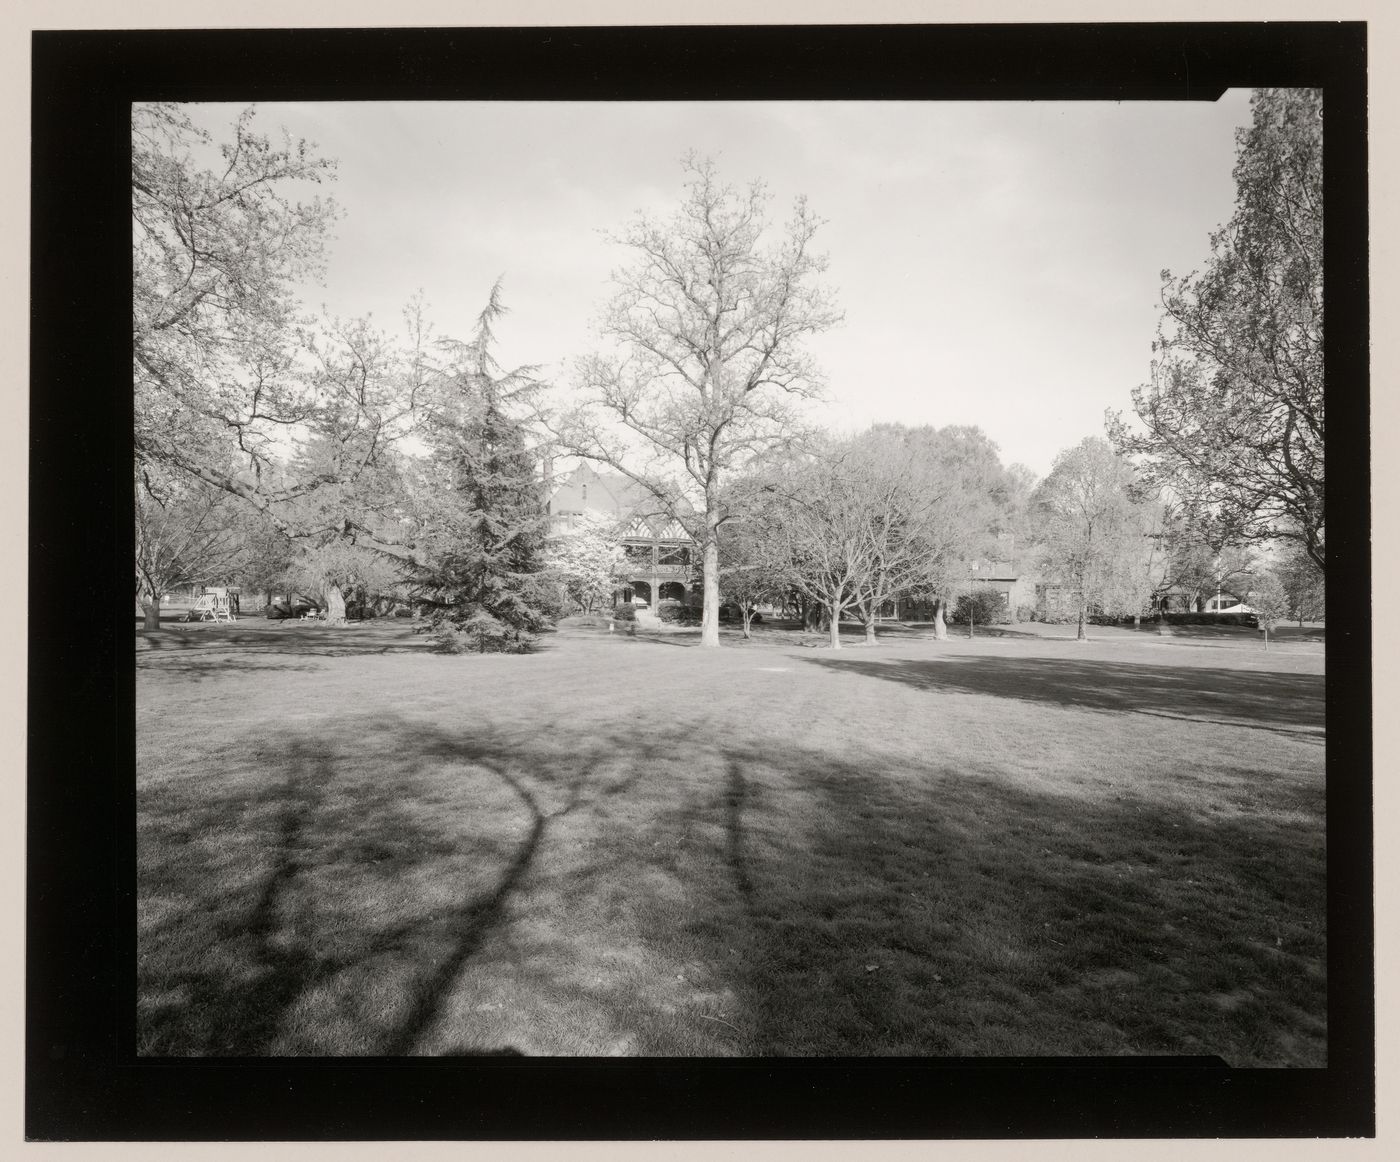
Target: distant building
(661,556)
(1053,600)
(1179,600)
(1001,572)
(1003,575)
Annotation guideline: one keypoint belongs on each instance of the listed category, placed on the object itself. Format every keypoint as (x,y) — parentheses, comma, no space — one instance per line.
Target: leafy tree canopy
(1233,420)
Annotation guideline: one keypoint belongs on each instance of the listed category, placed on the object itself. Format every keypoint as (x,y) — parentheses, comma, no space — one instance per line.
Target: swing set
(211,605)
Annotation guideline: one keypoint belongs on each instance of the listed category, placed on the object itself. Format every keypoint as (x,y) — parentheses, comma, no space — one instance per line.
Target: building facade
(1003,576)
(661,557)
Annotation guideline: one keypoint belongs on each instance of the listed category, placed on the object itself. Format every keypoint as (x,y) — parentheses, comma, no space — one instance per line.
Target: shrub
(479,633)
(624,612)
(1025,612)
(675,612)
(1125,619)
(986,606)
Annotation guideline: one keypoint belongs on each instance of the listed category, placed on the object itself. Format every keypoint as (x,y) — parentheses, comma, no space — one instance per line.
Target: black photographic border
(83,1081)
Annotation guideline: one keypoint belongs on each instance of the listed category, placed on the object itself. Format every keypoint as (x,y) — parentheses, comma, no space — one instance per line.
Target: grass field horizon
(1013,845)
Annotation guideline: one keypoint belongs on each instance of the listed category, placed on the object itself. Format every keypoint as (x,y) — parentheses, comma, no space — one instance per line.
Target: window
(673,555)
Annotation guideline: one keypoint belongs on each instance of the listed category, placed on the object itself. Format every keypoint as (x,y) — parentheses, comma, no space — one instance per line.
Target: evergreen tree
(484,576)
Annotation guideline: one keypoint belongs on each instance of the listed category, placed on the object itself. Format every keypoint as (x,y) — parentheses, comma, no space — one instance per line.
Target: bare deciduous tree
(819,528)
(1096,535)
(185,535)
(706,326)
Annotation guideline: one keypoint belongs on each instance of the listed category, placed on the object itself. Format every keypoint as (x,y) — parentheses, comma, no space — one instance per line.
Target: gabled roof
(627,497)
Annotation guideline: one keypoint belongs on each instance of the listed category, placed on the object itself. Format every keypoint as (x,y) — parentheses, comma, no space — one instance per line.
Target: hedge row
(1245,619)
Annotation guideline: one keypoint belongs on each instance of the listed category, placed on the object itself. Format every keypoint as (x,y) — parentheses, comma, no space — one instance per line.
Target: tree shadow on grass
(238,1014)
(1289,704)
(225,975)
(353,639)
(749,896)
(794,904)
(942,912)
(218,665)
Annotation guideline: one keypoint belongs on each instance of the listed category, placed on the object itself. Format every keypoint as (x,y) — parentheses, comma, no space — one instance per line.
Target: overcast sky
(998,263)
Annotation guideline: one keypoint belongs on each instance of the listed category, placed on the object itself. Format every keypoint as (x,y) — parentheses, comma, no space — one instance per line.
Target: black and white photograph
(736,579)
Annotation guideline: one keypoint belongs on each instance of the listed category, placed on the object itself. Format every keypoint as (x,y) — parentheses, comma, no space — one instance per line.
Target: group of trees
(847,528)
(291,434)
(707,327)
(328,455)
(1099,539)
(1231,427)
(190,536)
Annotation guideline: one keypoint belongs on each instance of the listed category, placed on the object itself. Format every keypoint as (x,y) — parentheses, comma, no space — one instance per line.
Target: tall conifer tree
(484,578)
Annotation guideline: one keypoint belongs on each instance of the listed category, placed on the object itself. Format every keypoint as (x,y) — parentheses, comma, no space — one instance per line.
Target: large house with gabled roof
(661,556)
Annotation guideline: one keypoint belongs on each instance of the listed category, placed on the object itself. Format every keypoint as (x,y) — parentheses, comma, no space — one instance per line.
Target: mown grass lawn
(1014,845)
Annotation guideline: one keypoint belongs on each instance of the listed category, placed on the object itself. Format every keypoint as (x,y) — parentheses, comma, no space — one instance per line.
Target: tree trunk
(748,619)
(1080,636)
(151,609)
(335,605)
(869,628)
(971,621)
(709,623)
(940,624)
(834,622)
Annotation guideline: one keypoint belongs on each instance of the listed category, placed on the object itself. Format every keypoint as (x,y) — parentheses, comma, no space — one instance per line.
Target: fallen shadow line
(1316,735)
(473,923)
(478,917)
